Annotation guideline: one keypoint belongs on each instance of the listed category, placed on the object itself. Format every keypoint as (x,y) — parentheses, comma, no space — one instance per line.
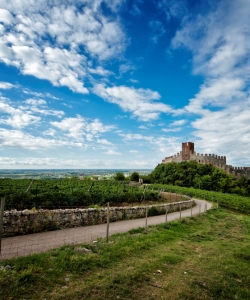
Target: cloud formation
(6,86)
(140,102)
(21,140)
(54,40)
(80,129)
(220,44)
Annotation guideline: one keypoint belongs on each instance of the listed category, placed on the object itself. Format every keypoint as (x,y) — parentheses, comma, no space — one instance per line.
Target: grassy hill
(204,257)
(205,177)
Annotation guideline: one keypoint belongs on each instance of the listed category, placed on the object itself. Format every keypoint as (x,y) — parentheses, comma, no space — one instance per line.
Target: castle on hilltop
(188,154)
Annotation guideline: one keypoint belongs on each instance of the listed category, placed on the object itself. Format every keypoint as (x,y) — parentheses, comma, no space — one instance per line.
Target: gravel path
(40,242)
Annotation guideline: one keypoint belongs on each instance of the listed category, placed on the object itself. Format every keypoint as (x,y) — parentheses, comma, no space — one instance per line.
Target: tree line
(199,176)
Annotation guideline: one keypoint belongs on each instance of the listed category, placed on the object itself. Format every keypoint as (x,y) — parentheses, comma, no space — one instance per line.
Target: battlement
(188,154)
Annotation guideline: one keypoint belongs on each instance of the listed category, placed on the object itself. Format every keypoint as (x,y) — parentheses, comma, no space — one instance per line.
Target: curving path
(40,242)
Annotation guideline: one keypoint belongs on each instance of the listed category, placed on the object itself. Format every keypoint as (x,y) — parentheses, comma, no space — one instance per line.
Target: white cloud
(112,152)
(50,132)
(124,68)
(36,102)
(51,39)
(154,140)
(226,132)
(6,85)
(157,30)
(103,142)
(140,102)
(6,16)
(219,41)
(36,94)
(134,80)
(39,106)
(21,140)
(100,71)
(17,118)
(41,162)
(171,129)
(52,64)
(178,123)
(173,8)
(78,128)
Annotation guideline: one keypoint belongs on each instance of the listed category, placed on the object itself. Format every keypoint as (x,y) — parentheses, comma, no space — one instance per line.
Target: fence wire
(40,242)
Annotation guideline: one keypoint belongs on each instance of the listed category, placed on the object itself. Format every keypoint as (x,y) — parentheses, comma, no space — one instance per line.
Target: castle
(188,154)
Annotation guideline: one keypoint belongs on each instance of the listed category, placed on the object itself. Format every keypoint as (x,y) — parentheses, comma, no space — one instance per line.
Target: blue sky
(121,84)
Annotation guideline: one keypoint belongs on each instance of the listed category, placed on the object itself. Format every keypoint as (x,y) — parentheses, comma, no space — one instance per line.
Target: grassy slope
(205,257)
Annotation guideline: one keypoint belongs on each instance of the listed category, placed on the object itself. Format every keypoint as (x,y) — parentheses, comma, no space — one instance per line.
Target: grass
(204,257)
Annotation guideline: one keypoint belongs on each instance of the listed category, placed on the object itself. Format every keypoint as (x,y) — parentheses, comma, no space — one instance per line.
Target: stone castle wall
(219,161)
(216,160)
(31,221)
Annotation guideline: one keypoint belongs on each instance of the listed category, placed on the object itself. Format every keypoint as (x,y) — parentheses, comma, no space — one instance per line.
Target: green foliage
(119,176)
(134,176)
(63,193)
(229,201)
(200,176)
(146,178)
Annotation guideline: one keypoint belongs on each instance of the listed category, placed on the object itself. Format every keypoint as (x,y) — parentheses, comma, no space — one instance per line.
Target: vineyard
(71,193)
(224,200)
(61,193)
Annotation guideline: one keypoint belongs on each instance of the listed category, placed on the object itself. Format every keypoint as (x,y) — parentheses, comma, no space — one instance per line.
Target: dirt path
(40,242)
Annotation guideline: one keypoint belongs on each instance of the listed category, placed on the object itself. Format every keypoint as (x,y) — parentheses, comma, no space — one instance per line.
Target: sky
(121,84)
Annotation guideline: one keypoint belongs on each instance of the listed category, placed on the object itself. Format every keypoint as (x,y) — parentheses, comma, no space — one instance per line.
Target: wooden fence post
(146,222)
(166,214)
(107,233)
(1,221)
(180,210)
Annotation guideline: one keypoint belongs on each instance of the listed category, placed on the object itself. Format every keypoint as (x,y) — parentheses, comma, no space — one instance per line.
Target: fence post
(180,210)
(107,233)
(1,221)
(146,222)
(205,208)
(166,214)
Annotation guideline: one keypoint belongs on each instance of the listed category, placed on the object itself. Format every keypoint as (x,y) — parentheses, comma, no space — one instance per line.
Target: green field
(204,257)
(71,193)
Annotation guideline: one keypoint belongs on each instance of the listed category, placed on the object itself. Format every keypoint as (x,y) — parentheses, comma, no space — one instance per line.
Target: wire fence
(23,245)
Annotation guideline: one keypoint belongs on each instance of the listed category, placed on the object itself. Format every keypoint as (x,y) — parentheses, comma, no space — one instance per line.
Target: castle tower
(187,148)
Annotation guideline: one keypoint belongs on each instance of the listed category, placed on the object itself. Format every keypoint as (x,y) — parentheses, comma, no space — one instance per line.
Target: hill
(201,176)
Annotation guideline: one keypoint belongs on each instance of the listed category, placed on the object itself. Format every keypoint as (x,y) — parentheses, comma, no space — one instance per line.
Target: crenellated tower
(188,154)
(187,150)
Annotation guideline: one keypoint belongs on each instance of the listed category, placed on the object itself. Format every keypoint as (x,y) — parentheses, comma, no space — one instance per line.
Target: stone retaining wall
(30,221)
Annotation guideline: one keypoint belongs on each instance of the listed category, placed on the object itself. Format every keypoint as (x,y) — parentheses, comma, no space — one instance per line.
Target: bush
(134,176)
(119,176)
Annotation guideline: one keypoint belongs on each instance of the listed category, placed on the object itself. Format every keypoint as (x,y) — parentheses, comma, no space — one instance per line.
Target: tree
(119,176)
(134,176)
